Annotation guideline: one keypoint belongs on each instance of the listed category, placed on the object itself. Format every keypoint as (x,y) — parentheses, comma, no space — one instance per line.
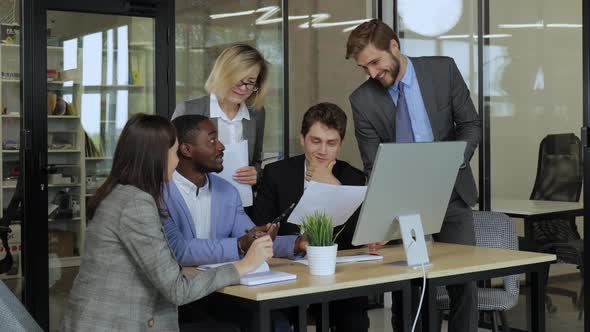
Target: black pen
(276,221)
(283,215)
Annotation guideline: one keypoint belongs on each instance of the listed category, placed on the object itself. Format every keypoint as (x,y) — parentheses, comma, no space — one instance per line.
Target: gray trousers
(457,228)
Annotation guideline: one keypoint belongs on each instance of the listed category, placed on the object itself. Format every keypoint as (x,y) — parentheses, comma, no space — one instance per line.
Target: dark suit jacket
(282,184)
(450,110)
(253,129)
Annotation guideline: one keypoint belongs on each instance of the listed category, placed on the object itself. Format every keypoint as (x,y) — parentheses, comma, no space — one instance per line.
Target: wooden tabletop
(348,275)
(447,259)
(525,207)
(452,259)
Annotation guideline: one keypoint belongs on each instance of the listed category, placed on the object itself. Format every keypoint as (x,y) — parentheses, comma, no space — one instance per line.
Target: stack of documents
(262,275)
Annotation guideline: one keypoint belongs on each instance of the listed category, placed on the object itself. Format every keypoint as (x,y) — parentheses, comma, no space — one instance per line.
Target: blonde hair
(231,66)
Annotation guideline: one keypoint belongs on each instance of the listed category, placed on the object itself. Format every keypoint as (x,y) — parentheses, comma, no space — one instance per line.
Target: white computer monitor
(408,179)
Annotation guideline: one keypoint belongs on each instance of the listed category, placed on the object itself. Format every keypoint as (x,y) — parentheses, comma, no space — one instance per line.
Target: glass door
(98,75)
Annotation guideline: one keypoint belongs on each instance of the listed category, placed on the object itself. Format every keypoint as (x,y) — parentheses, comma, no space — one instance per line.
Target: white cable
(421,297)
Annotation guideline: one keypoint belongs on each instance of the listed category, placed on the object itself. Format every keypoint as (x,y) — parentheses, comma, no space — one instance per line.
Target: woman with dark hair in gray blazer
(129,279)
(237,86)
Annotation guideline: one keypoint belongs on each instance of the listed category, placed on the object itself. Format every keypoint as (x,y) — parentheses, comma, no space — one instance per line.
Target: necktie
(403,125)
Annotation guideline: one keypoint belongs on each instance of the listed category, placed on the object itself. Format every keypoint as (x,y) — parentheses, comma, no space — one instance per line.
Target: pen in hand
(257,233)
(278,219)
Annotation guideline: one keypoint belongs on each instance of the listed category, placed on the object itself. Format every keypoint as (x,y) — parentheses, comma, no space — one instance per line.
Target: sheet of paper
(234,157)
(339,202)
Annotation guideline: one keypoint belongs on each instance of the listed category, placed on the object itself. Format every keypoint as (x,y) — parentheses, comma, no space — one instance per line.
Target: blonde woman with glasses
(237,85)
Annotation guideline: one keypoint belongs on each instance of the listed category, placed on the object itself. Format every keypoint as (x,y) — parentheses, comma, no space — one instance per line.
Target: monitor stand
(413,240)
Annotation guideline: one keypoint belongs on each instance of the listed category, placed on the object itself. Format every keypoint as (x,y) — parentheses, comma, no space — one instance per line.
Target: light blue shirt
(418,116)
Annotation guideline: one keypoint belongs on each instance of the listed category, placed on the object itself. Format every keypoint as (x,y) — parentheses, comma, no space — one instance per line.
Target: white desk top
(527,207)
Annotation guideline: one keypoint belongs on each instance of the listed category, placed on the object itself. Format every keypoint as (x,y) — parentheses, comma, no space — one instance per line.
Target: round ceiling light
(430,17)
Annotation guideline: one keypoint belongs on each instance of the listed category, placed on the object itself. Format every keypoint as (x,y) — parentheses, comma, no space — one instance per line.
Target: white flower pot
(322,260)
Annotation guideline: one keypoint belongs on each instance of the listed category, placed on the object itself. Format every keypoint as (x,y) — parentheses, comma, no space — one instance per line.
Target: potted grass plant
(321,249)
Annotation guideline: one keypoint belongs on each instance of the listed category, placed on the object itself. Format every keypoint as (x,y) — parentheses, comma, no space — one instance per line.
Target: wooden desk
(350,280)
(531,210)
(456,264)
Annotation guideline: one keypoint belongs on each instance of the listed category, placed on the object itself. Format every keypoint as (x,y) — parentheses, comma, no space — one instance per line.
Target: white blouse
(228,131)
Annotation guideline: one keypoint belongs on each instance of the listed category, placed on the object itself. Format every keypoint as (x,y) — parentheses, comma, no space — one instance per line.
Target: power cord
(421,296)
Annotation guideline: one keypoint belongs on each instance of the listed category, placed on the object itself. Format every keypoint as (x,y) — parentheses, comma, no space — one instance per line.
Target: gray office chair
(13,315)
(492,230)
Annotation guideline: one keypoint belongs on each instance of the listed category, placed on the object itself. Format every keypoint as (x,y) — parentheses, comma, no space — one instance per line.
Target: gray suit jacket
(129,279)
(253,129)
(13,315)
(450,110)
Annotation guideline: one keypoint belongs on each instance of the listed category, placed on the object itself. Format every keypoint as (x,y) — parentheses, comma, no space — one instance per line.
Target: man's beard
(208,169)
(393,71)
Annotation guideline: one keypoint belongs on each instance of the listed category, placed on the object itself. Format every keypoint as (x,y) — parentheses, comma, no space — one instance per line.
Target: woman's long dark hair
(140,160)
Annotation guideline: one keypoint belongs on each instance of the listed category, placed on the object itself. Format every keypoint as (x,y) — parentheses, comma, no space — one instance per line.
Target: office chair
(13,315)
(492,230)
(559,178)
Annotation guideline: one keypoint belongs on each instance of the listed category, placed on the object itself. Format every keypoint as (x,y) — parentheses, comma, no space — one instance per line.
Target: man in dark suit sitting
(283,183)
(421,99)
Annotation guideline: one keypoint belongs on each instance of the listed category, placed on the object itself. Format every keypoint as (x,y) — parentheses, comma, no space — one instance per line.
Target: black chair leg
(494,322)
(440,320)
(563,292)
(504,320)
(581,302)
(549,304)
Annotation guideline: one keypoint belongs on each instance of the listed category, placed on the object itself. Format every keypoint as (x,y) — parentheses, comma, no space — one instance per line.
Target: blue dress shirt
(418,116)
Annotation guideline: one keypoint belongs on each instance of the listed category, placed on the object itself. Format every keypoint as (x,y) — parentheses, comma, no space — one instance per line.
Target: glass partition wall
(318,70)
(535,102)
(205,28)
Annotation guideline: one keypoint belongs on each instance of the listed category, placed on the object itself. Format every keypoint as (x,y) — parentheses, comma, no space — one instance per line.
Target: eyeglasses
(249,86)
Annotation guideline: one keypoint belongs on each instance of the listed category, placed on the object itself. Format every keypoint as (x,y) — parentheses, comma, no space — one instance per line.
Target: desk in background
(531,210)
